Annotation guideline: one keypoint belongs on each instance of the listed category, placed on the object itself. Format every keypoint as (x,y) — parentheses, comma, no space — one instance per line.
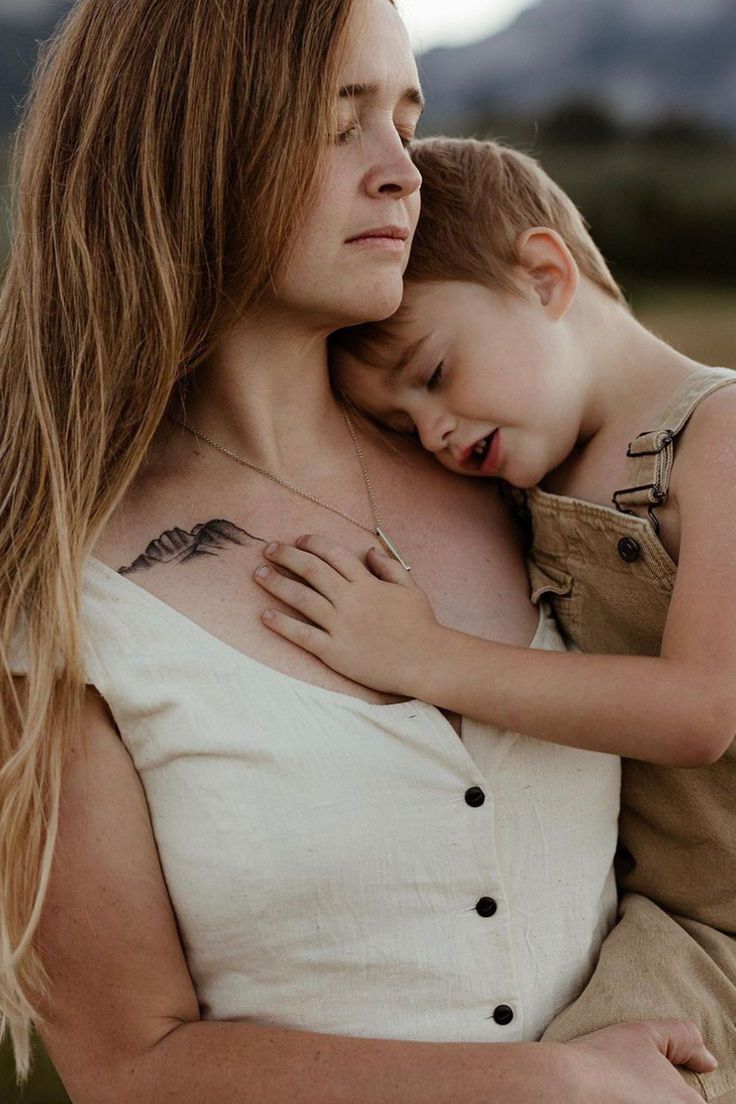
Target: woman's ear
(548,269)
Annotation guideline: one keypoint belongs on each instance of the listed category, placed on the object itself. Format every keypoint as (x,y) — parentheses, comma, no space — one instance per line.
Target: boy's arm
(678,709)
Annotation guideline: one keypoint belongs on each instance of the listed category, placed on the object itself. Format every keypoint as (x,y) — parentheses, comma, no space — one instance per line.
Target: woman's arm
(678,709)
(122,1019)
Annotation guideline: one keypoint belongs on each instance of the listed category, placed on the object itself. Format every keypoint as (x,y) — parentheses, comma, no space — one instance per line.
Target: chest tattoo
(177,545)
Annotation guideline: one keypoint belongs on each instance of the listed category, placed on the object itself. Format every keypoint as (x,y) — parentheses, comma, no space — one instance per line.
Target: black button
(475,796)
(629,549)
(486,906)
(503,1015)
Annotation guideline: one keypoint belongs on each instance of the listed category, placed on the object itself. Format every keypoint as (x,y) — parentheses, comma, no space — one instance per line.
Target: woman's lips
(391,238)
(393,245)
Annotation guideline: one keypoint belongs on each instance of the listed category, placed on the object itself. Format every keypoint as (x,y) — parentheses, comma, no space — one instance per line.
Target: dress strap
(653,452)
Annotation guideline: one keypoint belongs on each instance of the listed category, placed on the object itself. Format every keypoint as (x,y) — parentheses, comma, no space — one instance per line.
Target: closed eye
(435,379)
(345,135)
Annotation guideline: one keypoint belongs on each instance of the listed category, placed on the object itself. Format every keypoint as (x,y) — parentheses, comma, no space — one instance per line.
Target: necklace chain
(376,529)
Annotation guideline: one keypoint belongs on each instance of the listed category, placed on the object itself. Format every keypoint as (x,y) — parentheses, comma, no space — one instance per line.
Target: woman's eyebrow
(411,95)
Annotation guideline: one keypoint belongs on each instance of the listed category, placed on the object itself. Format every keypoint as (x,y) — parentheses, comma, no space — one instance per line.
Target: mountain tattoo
(179,546)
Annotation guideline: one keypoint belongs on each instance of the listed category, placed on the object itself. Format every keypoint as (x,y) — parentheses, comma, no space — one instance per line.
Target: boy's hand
(372,624)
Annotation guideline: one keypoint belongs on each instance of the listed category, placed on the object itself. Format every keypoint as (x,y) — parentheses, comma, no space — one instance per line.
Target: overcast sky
(431,22)
(436,22)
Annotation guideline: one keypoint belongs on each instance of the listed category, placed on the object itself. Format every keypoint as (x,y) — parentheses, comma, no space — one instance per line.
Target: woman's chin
(375,304)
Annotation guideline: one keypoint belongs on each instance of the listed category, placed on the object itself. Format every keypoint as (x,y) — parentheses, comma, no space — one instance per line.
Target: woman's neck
(265,394)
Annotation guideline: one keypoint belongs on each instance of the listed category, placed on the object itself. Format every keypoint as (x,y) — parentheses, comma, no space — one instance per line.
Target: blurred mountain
(643,59)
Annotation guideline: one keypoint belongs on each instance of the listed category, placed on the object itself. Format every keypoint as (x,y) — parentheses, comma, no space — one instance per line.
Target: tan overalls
(673,951)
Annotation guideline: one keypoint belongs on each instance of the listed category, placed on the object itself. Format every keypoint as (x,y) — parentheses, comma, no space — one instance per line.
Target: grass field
(699,321)
(43,1088)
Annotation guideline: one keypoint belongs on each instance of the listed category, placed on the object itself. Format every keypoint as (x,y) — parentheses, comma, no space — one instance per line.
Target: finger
(346,563)
(387,568)
(311,569)
(298,595)
(304,636)
(682,1043)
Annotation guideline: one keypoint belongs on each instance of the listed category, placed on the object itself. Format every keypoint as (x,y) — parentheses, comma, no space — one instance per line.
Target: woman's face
(336,278)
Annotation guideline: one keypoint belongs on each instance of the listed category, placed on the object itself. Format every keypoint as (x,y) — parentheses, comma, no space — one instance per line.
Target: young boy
(514,355)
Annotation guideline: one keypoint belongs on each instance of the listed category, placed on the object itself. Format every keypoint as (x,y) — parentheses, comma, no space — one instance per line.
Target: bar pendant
(391,548)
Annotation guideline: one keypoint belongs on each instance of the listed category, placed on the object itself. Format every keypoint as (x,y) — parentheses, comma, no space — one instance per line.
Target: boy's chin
(457,469)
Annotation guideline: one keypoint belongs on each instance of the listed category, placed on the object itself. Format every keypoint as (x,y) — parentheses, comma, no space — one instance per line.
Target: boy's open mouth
(475,457)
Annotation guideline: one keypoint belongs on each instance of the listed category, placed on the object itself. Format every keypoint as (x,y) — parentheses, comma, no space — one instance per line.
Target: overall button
(503,1015)
(475,796)
(486,906)
(629,549)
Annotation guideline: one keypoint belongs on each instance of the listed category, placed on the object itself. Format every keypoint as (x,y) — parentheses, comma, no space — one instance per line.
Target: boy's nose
(435,433)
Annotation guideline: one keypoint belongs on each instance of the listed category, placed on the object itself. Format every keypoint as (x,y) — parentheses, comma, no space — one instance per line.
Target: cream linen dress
(352,868)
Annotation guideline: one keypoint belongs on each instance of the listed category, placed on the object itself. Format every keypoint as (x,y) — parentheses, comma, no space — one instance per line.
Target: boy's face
(485,381)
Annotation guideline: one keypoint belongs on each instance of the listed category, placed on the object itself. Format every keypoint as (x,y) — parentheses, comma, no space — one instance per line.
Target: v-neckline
(380,708)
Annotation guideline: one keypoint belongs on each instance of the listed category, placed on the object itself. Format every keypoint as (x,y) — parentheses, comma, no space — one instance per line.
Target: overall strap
(653,452)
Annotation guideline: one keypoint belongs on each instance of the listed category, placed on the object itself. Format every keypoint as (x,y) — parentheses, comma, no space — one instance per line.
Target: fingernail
(271,548)
(263,572)
(710,1055)
(268,615)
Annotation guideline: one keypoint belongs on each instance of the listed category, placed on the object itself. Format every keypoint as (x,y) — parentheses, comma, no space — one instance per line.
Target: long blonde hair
(165,158)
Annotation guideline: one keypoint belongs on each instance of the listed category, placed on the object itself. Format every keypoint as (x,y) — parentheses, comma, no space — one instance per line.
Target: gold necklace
(376,529)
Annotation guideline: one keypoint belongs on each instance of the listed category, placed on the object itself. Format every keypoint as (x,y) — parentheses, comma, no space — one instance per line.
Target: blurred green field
(44,1086)
(699,321)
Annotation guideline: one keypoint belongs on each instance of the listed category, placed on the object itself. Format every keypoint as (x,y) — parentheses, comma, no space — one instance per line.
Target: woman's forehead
(378,51)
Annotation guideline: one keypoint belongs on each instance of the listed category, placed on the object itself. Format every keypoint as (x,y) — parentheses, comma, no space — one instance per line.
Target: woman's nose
(394,172)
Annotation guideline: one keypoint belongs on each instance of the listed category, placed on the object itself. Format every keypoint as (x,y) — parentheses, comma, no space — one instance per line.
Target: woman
(267,882)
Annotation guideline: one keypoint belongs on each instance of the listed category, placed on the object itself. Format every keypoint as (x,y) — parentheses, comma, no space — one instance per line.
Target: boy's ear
(547,267)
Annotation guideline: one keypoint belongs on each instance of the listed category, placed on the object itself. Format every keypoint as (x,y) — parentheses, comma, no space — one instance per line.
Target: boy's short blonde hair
(478,198)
